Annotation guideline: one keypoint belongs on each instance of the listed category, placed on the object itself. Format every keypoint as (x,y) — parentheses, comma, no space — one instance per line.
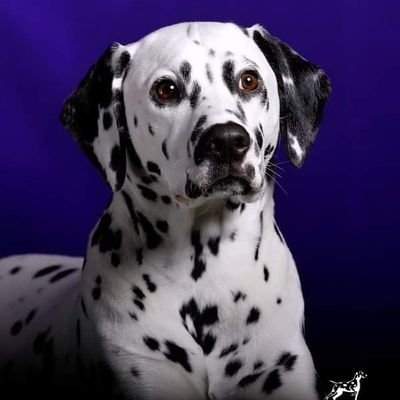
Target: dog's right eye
(166,90)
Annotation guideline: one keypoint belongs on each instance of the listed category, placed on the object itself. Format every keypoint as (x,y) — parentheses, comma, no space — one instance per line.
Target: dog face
(198,108)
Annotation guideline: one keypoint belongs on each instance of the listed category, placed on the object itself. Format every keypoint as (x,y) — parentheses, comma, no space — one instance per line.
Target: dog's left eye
(249,81)
(166,90)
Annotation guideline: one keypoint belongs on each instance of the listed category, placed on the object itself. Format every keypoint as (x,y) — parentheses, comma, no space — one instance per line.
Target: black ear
(303,91)
(95,115)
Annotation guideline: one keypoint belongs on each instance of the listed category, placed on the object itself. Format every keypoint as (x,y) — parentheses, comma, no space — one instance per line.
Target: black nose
(222,143)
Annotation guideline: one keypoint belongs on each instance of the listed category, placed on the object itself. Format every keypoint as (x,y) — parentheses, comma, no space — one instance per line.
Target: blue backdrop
(340,215)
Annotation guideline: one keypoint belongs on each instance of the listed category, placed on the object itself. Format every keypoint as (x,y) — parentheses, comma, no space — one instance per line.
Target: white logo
(352,387)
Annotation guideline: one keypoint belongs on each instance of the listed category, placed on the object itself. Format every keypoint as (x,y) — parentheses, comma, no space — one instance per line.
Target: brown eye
(249,81)
(166,90)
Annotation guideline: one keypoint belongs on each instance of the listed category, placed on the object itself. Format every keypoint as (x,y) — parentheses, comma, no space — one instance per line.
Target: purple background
(341,215)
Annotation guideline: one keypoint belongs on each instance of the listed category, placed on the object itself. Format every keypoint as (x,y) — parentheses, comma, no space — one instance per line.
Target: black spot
(201,319)
(162,226)
(209,73)
(194,95)
(244,30)
(98,280)
(287,360)
(208,343)
(153,239)
(96,293)
(211,52)
(46,271)
(233,367)
(134,372)
(117,162)
(272,382)
(248,379)
(78,332)
(259,138)
(266,273)
(243,205)
(62,274)
(232,236)
(199,264)
(135,120)
(107,120)
(147,193)
(278,300)
(258,364)
(115,259)
(164,149)
(131,210)
(131,151)
(15,270)
(231,205)
(227,350)
(151,286)
(105,237)
(259,237)
(264,97)
(178,355)
(151,343)
(268,150)
(166,199)
(213,245)
(228,75)
(122,64)
(151,130)
(139,304)
(30,316)
(139,255)
(246,340)
(239,295)
(153,167)
(253,316)
(138,292)
(133,316)
(16,328)
(278,232)
(185,70)
(146,179)
(198,128)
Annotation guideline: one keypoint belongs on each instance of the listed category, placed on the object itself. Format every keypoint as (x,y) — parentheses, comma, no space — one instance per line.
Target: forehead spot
(185,70)
(228,74)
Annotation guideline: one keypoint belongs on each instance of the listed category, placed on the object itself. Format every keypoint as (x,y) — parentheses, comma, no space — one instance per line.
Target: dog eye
(166,90)
(249,81)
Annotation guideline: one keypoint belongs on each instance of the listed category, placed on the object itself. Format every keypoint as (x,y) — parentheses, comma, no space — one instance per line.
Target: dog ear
(303,91)
(95,115)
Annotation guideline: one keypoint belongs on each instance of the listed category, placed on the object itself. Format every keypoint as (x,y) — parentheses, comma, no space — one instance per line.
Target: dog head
(197,108)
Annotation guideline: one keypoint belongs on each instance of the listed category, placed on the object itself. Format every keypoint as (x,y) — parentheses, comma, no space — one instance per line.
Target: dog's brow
(249,62)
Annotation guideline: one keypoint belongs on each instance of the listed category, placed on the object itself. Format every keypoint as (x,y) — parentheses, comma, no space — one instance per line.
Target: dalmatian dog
(188,290)
(353,386)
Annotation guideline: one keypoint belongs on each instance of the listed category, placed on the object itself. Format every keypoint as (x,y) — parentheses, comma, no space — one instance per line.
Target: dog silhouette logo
(353,387)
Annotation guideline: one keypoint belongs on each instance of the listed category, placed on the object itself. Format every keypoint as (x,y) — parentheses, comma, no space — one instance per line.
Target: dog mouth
(230,185)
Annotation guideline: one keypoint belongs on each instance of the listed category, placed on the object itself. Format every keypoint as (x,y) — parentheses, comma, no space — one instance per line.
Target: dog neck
(152,220)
